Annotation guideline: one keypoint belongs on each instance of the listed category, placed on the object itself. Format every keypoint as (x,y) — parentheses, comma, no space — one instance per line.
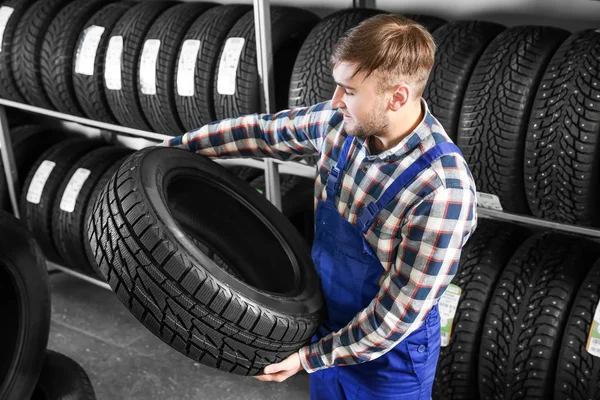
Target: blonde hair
(392,47)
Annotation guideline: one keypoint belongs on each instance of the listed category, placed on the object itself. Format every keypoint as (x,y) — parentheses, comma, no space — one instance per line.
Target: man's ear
(400,96)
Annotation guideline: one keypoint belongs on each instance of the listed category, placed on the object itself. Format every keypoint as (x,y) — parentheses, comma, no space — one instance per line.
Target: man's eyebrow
(344,86)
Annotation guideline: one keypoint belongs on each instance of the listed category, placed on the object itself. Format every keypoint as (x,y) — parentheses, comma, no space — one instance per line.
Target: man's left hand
(281,371)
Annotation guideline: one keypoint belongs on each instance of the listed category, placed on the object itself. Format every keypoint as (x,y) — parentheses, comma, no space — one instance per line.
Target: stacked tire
(62,171)
(520,103)
(159,66)
(524,317)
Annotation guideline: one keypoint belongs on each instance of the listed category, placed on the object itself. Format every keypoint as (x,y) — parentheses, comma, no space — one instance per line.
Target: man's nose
(336,100)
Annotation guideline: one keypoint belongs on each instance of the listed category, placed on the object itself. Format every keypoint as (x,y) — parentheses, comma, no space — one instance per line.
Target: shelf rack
(272,167)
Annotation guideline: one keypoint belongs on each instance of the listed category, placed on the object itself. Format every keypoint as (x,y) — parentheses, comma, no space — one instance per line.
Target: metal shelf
(53,266)
(505,216)
(285,167)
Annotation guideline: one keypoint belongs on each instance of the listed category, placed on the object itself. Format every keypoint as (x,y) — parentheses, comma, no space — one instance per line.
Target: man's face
(357,98)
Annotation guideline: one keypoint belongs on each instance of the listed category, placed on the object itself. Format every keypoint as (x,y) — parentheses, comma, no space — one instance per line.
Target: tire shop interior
(111,289)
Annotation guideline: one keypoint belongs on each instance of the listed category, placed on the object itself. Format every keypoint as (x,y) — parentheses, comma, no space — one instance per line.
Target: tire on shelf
(72,197)
(158,65)
(311,80)
(246,173)
(13,10)
(578,371)
(88,61)
(28,142)
(298,206)
(496,109)
(41,189)
(142,232)
(297,201)
(196,65)
(429,22)
(286,183)
(58,49)
(238,93)
(27,47)
(62,379)
(561,151)
(459,46)
(526,317)
(482,260)
(25,307)
(122,62)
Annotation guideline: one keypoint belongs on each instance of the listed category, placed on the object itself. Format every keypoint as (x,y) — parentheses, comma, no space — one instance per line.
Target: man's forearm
(285,135)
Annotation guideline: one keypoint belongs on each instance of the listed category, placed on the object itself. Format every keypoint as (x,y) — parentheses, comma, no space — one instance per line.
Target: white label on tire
(5,13)
(112,66)
(447,306)
(490,201)
(593,342)
(148,66)
(229,64)
(187,67)
(85,56)
(69,197)
(36,187)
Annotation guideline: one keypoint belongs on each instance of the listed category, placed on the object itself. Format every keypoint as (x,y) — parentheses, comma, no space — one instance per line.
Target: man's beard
(374,125)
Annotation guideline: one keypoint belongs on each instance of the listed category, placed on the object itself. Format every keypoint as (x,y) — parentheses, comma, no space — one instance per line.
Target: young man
(395,204)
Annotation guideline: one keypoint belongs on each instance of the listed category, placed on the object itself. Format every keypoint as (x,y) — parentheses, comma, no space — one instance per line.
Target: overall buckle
(368,216)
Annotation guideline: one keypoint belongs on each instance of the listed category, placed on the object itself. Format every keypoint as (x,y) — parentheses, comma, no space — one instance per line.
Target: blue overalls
(349,272)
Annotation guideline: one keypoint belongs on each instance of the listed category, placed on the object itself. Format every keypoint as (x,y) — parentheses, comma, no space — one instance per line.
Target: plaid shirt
(418,236)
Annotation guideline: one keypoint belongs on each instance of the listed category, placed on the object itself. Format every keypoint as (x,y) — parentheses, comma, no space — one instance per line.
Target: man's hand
(281,371)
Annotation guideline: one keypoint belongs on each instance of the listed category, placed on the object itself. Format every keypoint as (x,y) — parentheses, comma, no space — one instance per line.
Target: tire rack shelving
(272,167)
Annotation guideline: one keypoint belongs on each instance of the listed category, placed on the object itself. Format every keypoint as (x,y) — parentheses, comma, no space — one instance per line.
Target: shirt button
(421,348)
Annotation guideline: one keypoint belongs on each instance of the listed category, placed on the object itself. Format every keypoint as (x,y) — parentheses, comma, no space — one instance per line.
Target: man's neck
(397,130)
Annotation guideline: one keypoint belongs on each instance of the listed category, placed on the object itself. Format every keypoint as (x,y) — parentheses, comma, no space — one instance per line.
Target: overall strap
(336,172)
(372,209)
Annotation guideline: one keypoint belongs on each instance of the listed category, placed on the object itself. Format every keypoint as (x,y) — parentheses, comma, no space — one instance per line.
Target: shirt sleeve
(433,234)
(285,135)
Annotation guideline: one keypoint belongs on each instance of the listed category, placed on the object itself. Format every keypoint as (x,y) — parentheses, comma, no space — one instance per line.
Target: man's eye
(348,93)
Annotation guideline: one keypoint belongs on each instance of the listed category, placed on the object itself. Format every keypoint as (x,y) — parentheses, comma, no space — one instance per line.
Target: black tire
(158,100)
(526,317)
(482,260)
(311,80)
(578,371)
(144,248)
(561,153)
(495,111)
(59,46)
(89,211)
(289,27)
(27,47)
(132,27)
(459,46)
(8,87)
(68,224)
(25,308)
(429,22)
(28,142)
(62,379)
(195,108)
(89,84)
(38,216)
